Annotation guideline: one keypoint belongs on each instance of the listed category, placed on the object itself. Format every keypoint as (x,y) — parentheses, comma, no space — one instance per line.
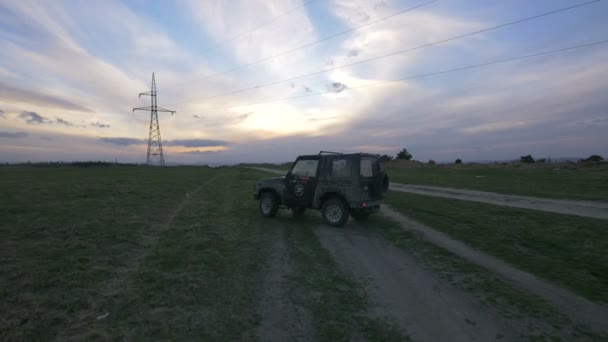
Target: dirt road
(579,208)
(577,308)
(265,169)
(407,294)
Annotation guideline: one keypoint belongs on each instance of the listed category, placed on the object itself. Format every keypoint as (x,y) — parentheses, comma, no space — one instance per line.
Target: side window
(305,168)
(365,167)
(341,167)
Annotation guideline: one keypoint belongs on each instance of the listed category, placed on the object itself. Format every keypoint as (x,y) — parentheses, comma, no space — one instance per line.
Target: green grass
(567,250)
(164,261)
(588,183)
(78,243)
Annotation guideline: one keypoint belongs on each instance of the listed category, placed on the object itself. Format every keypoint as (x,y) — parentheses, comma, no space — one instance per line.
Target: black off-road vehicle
(338,184)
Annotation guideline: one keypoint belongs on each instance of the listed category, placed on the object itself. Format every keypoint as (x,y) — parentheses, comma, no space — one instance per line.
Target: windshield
(305,168)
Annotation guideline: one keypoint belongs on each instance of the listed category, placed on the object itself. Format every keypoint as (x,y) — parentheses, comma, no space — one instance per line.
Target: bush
(385,158)
(526,159)
(432,162)
(594,158)
(541,160)
(458,161)
(404,154)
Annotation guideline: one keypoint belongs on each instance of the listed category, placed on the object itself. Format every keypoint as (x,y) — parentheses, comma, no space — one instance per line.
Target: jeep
(340,185)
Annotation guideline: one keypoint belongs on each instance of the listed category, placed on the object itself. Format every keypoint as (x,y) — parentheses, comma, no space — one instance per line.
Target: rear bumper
(368,205)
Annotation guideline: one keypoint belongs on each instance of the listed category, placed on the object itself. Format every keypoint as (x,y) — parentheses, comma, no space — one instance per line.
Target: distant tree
(432,162)
(594,158)
(404,154)
(385,158)
(541,160)
(458,161)
(526,159)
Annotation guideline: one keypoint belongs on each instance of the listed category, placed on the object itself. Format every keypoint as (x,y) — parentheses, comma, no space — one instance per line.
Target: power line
(428,74)
(272,20)
(402,51)
(313,43)
(319,41)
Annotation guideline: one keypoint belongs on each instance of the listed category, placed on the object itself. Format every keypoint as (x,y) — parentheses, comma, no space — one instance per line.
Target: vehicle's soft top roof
(318,156)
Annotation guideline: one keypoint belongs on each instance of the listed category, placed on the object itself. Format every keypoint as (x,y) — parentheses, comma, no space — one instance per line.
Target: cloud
(322,119)
(195,152)
(12,134)
(1,113)
(196,143)
(197,116)
(122,141)
(354,53)
(593,122)
(12,94)
(65,122)
(380,5)
(337,87)
(245,115)
(493,127)
(99,125)
(33,118)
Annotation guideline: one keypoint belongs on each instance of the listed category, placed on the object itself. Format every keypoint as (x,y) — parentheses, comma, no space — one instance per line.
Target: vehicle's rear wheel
(298,211)
(360,215)
(268,204)
(334,212)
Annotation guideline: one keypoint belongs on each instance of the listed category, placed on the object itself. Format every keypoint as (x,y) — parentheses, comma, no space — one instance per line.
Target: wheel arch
(332,194)
(272,191)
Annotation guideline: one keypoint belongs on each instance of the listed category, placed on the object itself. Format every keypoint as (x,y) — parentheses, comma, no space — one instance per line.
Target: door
(301,182)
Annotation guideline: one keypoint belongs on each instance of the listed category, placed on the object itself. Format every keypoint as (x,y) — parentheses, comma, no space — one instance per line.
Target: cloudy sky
(266,80)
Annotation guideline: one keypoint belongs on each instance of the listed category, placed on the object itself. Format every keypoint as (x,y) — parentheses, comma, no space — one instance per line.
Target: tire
(268,204)
(385,183)
(360,215)
(334,212)
(298,211)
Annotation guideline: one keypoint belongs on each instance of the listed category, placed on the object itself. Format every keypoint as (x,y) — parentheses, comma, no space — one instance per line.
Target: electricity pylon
(155,144)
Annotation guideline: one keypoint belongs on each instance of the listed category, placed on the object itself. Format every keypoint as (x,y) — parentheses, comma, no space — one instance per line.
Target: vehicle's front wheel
(334,212)
(268,204)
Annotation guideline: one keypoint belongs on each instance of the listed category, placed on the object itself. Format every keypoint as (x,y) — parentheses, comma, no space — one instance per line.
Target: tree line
(404,154)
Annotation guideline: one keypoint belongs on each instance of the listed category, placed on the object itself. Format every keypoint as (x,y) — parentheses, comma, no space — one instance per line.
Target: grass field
(181,253)
(154,253)
(555,181)
(568,250)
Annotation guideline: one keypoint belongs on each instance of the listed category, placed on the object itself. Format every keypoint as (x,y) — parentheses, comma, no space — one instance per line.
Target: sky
(267,80)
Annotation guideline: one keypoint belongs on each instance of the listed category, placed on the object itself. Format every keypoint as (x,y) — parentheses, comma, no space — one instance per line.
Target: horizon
(69,79)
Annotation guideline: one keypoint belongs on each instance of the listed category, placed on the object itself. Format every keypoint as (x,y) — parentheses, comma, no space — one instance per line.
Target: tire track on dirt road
(578,208)
(576,308)
(404,292)
(281,318)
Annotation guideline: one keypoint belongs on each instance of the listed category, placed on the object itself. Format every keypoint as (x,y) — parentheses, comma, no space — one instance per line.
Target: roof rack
(328,152)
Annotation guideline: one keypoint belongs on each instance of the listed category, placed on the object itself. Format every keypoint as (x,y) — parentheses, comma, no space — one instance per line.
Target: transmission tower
(155,145)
